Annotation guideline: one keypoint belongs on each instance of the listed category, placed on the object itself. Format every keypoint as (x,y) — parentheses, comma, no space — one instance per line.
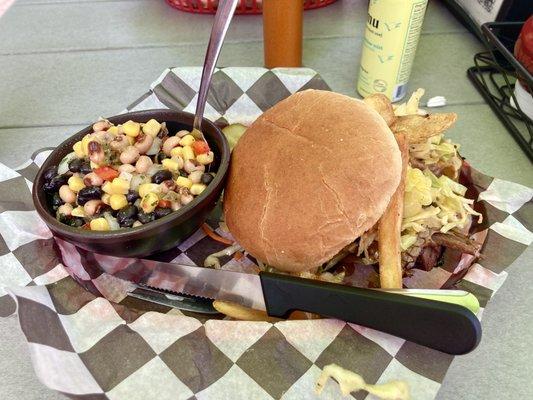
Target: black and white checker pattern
(86,346)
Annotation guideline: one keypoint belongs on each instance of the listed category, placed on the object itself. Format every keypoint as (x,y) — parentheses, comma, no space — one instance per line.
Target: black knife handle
(449,328)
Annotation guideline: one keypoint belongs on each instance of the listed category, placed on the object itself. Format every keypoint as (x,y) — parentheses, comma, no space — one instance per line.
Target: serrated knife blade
(209,283)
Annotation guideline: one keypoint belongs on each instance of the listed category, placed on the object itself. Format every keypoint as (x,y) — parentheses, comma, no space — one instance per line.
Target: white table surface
(63,63)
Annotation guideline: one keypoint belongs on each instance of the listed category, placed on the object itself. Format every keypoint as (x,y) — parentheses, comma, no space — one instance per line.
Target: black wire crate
(495,75)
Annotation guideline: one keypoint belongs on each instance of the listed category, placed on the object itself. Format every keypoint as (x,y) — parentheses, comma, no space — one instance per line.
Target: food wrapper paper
(88,339)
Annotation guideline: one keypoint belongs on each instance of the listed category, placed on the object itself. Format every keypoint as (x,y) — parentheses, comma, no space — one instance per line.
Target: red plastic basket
(244,6)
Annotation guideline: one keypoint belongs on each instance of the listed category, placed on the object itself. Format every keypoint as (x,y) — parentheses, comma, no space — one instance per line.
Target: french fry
(236,311)
(389,229)
(419,128)
(381,103)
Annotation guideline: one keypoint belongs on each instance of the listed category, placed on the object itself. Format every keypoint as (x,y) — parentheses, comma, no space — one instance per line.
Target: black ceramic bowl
(156,236)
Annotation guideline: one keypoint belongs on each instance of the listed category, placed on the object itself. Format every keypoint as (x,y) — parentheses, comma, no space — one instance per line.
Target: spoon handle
(223,17)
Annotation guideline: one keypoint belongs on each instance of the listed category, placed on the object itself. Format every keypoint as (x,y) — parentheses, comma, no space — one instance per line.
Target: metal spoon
(223,17)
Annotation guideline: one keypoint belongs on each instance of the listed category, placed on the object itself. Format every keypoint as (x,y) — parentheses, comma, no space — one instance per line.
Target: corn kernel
(118,201)
(78,149)
(149,202)
(187,140)
(75,183)
(106,197)
(131,140)
(170,164)
(146,188)
(206,158)
(188,153)
(119,186)
(107,187)
(176,151)
(152,128)
(132,129)
(183,182)
(99,224)
(113,130)
(78,212)
(85,144)
(94,165)
(197,188)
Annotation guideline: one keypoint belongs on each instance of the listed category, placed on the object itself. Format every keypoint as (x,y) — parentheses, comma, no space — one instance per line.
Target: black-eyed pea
(66,194)
(143,164)
(186,198)
(127,168)
(119,143)
(96,152)
(129,155)
(196,176)
(103,136)
(167,186)
(170,143)
(189,166)
(65,209)
(102,125)
(93,207)
(143,143)
(92,179)
(175,205)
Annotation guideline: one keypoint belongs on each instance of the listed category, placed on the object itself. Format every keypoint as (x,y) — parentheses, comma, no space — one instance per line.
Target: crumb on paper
(351,382)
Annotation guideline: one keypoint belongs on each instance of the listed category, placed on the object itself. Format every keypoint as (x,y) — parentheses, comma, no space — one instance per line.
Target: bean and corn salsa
(122,176)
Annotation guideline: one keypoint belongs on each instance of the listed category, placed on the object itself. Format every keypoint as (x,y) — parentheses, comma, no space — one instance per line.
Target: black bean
(206,178)
(161,212)
(55,183)
(161,176)
(128,212)
(145,218)
(132,196)
(159,157)
(127,222)
(89,193)
(75,165)
(56,201)
(75,222)
(85,167)
(50,173)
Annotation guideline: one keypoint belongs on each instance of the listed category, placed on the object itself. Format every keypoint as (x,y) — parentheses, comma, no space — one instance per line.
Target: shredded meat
(457,241)
(429,257)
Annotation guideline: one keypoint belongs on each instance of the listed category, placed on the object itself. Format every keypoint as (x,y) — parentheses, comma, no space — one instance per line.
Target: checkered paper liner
(87,346)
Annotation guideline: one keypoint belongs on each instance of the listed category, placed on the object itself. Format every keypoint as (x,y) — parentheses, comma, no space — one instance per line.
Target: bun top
(308,177)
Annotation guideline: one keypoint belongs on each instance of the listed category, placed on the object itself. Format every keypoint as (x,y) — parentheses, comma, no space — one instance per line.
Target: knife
(447,327)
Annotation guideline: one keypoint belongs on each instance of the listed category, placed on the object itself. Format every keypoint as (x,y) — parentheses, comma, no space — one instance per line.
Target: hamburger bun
(308,177)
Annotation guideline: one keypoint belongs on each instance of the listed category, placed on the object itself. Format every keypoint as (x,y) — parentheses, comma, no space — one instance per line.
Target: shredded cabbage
(433,203)
(436,149)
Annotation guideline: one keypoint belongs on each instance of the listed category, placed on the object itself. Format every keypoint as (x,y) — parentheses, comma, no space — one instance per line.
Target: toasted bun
(308,177)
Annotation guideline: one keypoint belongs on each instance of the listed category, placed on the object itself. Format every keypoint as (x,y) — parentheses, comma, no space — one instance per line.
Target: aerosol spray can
(391,36)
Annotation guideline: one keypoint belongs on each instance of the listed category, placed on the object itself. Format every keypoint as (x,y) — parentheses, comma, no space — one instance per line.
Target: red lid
(523,49)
